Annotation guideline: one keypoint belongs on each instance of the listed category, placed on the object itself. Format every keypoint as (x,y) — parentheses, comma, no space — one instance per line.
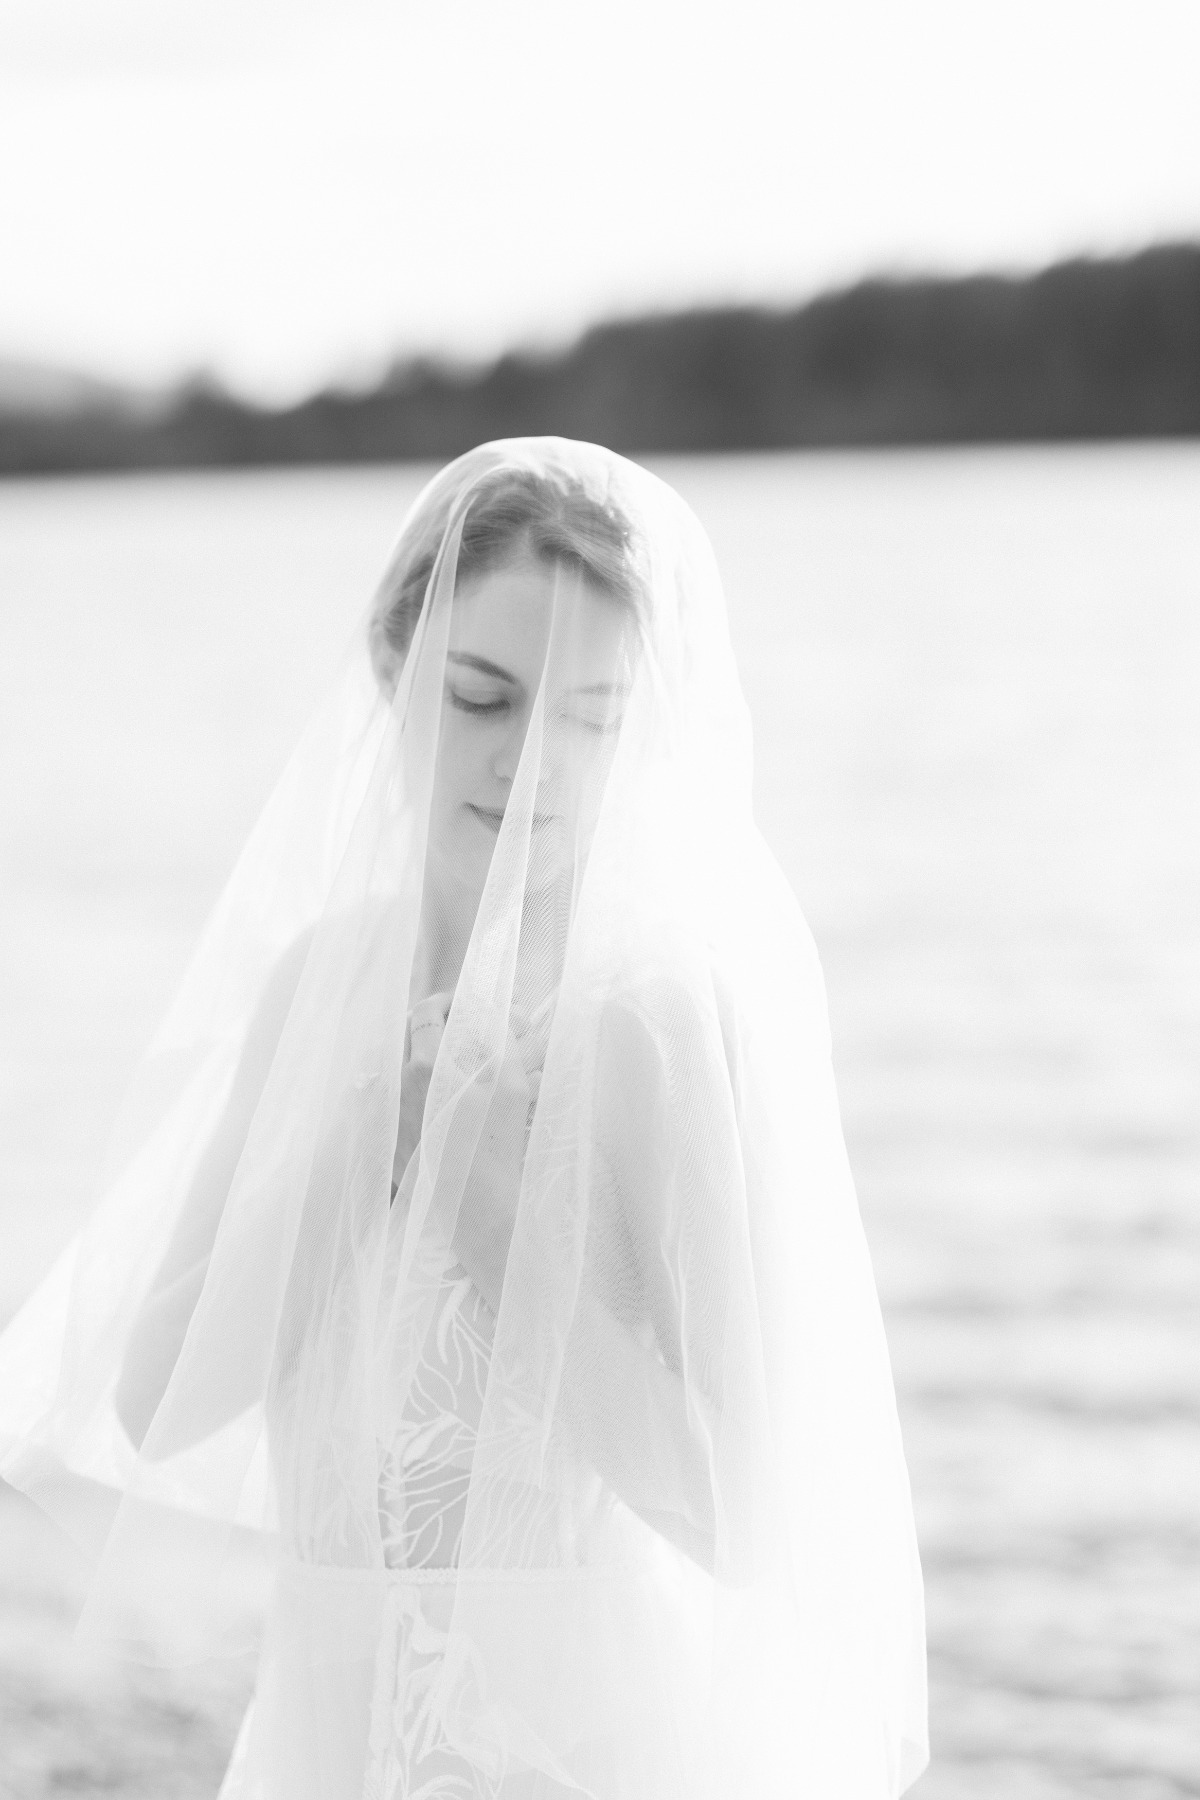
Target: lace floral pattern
(409,1756)
(424,1477)
(425,1471)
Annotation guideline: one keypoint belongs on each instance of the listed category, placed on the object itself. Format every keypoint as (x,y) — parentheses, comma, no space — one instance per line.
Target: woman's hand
(426,1023)
(488,1209)
(414,1090)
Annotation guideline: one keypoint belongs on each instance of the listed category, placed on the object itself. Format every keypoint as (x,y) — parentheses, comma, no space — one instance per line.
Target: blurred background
(906,302)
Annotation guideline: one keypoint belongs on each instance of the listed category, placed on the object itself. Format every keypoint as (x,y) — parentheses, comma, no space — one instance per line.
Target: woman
(478,1318)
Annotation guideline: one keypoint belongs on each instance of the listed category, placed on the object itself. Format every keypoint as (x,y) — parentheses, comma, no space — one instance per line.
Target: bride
(476,1321)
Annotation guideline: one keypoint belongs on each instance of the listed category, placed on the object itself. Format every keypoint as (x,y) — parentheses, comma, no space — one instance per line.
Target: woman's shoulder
(348,936)
(676,999)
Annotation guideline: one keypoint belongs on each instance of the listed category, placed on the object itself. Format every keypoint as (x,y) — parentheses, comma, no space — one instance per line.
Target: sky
(285,192)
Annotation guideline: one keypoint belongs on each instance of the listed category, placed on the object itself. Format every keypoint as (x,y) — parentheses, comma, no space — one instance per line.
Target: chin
(460,865)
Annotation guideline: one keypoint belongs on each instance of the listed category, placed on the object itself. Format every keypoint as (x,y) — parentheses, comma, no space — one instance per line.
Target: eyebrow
(482,664)
(490,668)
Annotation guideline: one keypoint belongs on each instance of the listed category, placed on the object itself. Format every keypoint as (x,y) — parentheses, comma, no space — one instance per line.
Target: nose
(508,752)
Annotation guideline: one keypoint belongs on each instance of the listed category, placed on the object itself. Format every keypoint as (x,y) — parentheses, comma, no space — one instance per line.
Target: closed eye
(602,726)
(601,730)
(475,706)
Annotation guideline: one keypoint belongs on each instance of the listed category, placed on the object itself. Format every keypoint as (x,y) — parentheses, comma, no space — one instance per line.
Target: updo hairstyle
(552,518)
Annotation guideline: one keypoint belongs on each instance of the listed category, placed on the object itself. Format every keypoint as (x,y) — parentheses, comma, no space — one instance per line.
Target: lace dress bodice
(424,1479)
(425,1466)
(425,1471)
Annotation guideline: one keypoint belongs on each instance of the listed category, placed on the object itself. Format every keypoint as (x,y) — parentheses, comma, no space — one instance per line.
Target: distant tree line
(1086,349)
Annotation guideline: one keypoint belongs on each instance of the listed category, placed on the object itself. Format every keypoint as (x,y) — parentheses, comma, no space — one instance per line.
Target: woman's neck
(448,916)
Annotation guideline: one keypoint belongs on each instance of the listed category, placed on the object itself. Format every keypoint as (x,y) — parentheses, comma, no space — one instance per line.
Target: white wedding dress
(424,1477)
(424,1481)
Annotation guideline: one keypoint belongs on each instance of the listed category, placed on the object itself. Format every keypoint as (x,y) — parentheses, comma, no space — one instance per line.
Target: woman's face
(506,625)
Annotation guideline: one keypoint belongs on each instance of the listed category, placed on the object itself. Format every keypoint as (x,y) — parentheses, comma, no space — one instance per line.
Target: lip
(493,819)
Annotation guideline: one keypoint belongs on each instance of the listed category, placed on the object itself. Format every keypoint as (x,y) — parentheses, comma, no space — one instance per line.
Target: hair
(550,517)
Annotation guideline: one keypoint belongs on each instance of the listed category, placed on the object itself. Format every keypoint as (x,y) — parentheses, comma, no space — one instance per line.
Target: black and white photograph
(599,900)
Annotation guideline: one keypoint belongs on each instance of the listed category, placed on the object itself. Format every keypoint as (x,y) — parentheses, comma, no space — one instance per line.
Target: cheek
(458,761)
(579,775)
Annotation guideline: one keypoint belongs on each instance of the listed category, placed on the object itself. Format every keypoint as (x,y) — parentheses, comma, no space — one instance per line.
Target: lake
(975,683)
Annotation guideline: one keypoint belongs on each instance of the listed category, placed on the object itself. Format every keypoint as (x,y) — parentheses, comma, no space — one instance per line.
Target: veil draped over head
(476,1318)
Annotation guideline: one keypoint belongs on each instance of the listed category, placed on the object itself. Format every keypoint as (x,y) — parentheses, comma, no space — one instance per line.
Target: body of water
(975,681)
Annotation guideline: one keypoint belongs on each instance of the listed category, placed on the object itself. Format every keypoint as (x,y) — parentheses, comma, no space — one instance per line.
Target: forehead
(517,614)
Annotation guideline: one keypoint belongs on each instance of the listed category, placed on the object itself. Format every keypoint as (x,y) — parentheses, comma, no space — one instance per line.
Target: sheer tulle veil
(511,891)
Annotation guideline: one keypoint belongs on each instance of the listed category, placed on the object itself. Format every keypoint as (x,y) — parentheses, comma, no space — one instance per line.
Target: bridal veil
(632,1519)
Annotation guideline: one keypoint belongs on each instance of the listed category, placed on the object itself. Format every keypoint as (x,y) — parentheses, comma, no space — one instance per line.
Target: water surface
(974,678)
